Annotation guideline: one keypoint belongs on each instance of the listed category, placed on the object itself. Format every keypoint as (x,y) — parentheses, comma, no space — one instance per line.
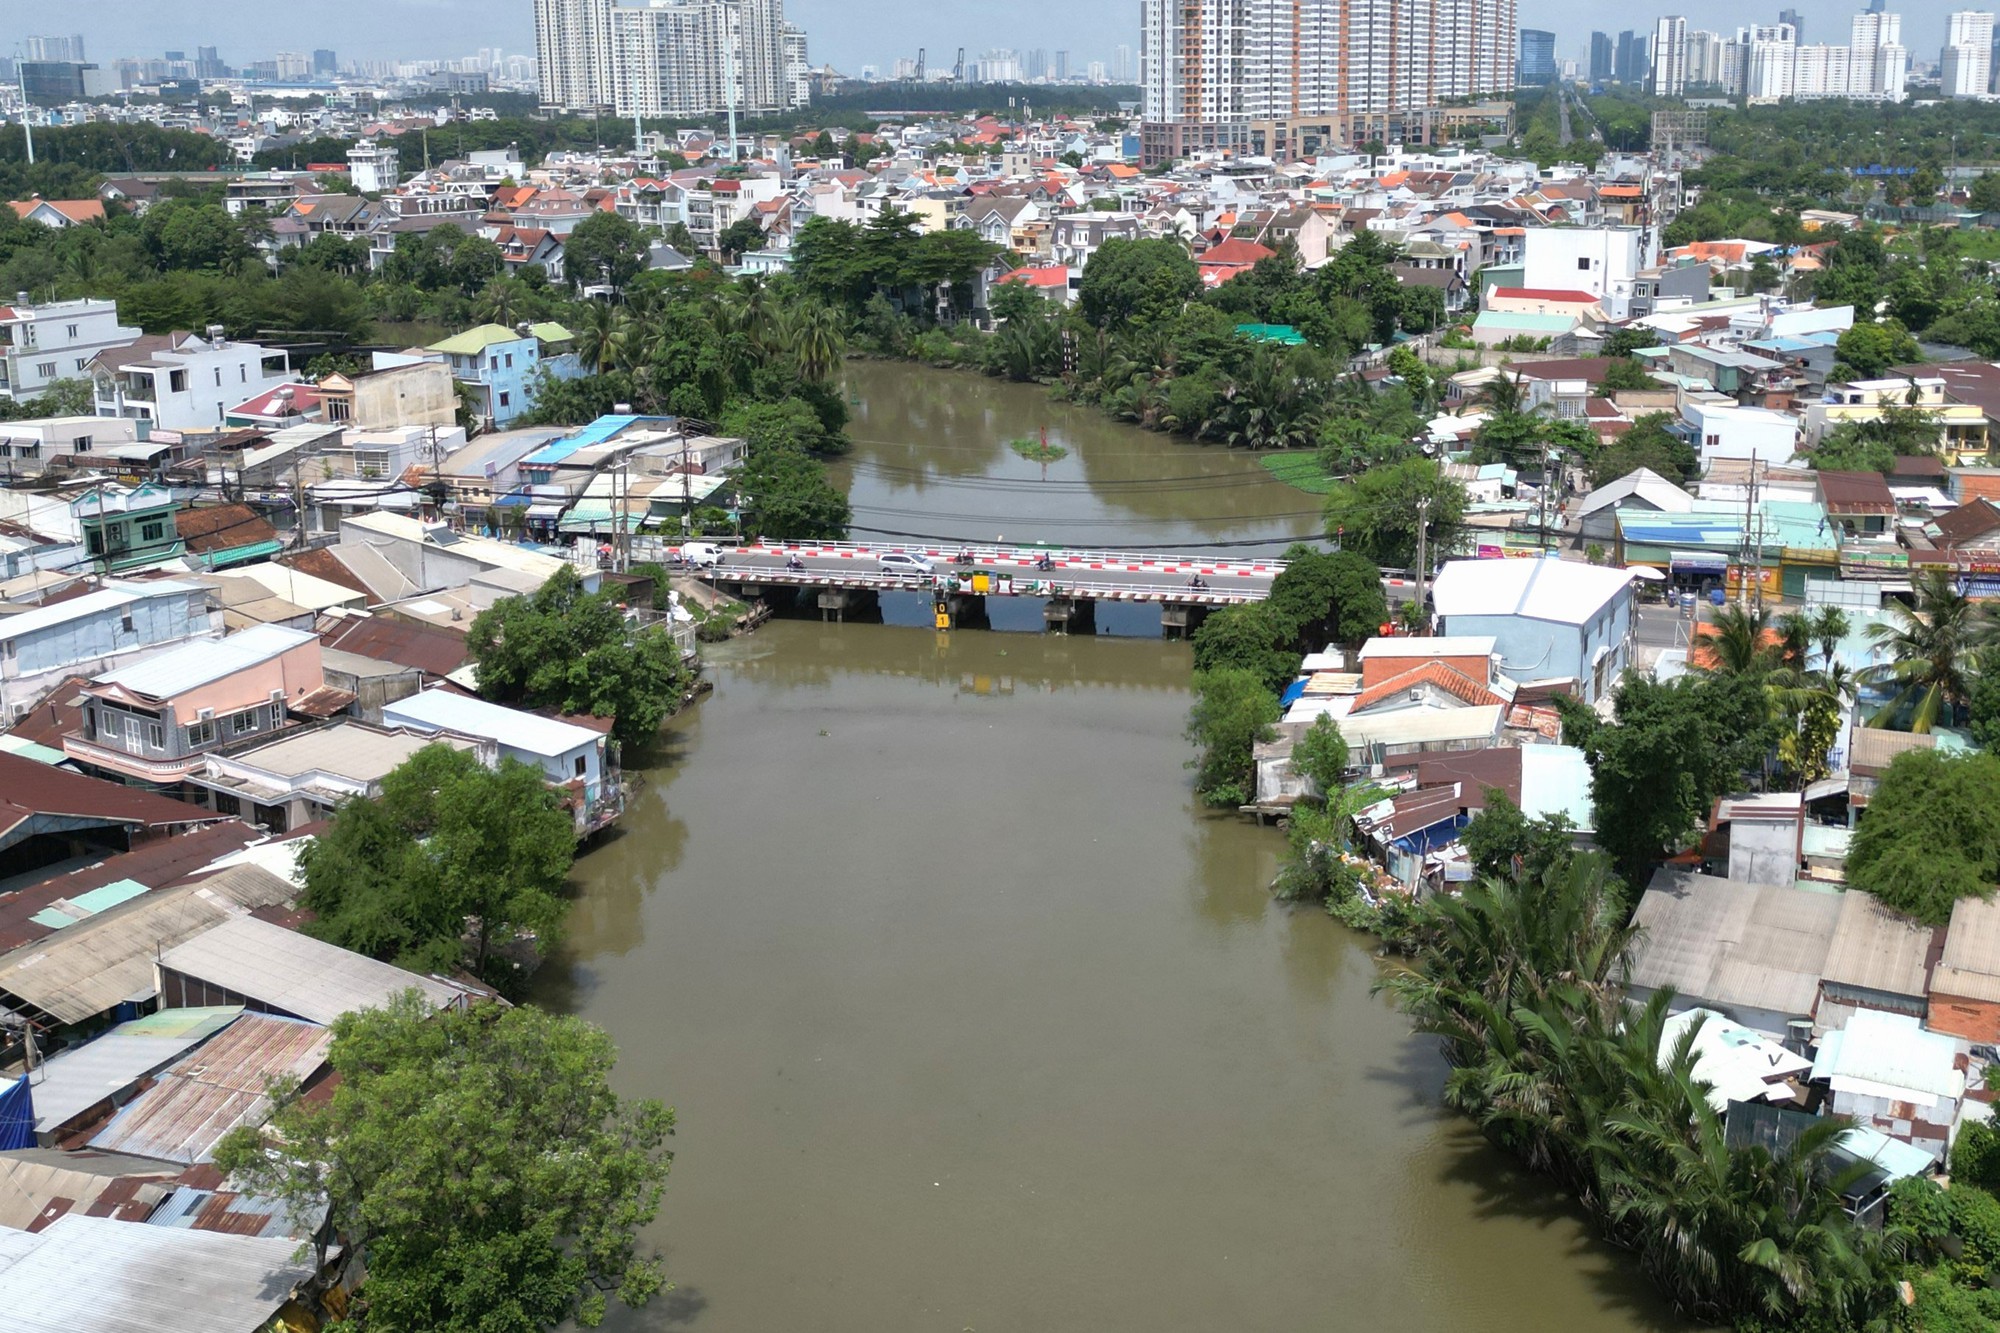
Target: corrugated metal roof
(1733,945)
(1874,747)
(34,1190)
(1970,966)
(1877,949)
(295,973)
(68,911)
(110,596)
(442,710)
(1566,592)
(81,972)
(1889,1051)
(122,1277)
(74,1080)
(198,663)
(215,1089)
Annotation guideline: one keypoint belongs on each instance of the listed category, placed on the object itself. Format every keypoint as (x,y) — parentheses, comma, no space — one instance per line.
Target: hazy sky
(849,33)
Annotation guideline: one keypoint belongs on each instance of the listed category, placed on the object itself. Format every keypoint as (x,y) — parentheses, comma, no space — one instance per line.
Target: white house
(572,758)
(1550,619)
(98,632)
(40,344)
(1603,261)
(181,381)
(1891,1075)
(1726,430)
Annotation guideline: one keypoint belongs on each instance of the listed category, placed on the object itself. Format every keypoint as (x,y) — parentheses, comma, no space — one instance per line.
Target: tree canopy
(1378,513)
(450,868)
(479,1160)
(572,651)
(1928,837)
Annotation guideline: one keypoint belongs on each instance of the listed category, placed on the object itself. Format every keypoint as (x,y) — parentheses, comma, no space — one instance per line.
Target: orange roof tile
(1447,678)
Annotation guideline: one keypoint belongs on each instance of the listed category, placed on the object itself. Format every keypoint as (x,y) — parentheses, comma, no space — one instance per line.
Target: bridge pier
(1179,620)
(833,603)
(1070,615)
(965,609)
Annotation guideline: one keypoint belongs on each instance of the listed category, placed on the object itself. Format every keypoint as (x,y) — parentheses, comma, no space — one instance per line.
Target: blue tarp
(1293,693)
(17,1116)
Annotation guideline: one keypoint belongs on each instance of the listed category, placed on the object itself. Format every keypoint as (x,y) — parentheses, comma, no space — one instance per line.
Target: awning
(545,510)
(1698,562)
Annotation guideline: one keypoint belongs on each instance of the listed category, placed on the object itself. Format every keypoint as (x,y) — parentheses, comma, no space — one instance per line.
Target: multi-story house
(27,446)
(99,631)
(42,344)
(578,762)
(297,778)
(181,381)
(152,722)
(498,366)
(127,528)
(1075,237)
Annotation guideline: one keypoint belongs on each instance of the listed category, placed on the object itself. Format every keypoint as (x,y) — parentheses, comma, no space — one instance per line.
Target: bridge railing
(1026,555)
(941,583)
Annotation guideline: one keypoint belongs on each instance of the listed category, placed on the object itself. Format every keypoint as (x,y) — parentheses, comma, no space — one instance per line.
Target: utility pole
(1744,557)
(298,506)
(1423,556)
(27,128)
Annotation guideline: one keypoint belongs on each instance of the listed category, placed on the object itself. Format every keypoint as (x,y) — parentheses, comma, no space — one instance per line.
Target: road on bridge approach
(1123,571)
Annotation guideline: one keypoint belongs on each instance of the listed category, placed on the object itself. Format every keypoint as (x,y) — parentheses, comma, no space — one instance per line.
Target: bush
(1975,1158)
(1233,711)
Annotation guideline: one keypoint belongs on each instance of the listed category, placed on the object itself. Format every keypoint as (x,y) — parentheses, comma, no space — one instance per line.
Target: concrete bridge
(961,577)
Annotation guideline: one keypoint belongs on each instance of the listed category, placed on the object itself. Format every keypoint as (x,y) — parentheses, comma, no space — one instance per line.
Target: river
(974,1020)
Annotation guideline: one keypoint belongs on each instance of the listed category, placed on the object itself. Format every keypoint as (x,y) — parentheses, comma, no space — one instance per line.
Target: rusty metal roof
(215,1089)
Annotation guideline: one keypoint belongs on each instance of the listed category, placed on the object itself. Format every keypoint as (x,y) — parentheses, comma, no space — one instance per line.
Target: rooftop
(1564,591)
(446,711)
(1734,945)
(109,597)
(210,1092)
(124,1277)
(295,974)
(1429,646)
(352,750)
(1887,1055)
(32,794)
(204,661)
(1876,949)
(1970,966)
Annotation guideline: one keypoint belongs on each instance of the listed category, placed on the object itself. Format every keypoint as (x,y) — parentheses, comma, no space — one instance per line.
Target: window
(80,445)
(177,381)
(47,370)
(277,715)
(242,374)
(493,363)
(504,399)
(7,650)
(510,360)
(156,735)
(125,623)
(94,539)
(152,532)
(132,732)
(243,721)
(227,805)
(70,329)
(200,734)
(1583,265)
(580,764)
(82,362)
(218,377)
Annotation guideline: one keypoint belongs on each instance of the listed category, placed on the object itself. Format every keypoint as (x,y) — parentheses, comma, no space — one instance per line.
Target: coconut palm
(1931,648)
(503,300)
(604,342)
(1829,626)
(816,340)
(1739,643)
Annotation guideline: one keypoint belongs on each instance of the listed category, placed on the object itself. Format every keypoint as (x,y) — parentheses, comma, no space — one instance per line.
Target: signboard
(1765,580)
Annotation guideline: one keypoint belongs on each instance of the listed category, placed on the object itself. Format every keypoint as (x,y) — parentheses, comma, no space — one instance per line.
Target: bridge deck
(1007,571)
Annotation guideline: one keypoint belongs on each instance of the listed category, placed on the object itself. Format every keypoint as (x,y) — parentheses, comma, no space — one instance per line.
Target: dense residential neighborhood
(461,521)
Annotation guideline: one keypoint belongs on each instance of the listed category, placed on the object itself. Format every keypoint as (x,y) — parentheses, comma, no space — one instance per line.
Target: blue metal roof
(597,432)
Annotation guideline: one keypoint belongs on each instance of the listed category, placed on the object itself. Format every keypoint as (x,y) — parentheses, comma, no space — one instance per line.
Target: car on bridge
(902,562)
(701,555)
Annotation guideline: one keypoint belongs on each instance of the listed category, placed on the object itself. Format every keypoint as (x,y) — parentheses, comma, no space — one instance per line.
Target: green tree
(1868,350)
(1625,373)
(607,249)
(1233,712)
(453,859)
(479,1160)
(62,398)
(787,497)
(1648,444)
(1323,598)
(573,651)
(1378,513)
(1930,647)
(1502,841)
(1129,283)
(739,238)
(1928,837)
(1673,750)
(1252,637)
(1321,757)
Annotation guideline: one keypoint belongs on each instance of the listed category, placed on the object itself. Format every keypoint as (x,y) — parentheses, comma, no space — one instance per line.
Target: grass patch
(1300,469)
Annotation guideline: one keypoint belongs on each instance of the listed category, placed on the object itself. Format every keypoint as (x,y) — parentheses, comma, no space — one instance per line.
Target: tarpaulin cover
(17,1116)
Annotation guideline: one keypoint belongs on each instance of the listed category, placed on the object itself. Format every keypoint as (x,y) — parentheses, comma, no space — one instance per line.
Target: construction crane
(920,64)
(958,70)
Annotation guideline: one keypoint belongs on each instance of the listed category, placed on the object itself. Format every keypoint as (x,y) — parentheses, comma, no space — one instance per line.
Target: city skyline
(844,33)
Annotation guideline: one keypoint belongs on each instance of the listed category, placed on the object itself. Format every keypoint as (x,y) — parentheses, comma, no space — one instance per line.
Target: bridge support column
(833,603)
(1180,621)
(1070,615)
(967,609)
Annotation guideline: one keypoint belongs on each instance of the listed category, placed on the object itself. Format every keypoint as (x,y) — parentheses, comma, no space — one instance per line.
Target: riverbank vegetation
(454,866)
(480,1161)
(1244,656)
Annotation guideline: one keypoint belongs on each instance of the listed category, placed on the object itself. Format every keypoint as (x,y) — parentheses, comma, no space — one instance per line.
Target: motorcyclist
(1197,582)
(792,562)
(1044,561)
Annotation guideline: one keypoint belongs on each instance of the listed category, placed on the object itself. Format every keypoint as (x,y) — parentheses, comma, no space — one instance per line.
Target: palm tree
(1273,406)
(604,341)
(1931,648)
(1829,626)
(1739,643)
(816,340)
(503,300)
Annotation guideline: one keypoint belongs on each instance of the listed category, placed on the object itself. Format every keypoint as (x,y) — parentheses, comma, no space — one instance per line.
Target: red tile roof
(1054,275)
(29,788)
(1447,678)
(223,528)
(76,210)
(1235,252)
(156,864)
(434,651)
(1541,294)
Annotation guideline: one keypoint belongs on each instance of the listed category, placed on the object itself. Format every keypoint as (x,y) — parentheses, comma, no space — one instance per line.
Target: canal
(973,1020)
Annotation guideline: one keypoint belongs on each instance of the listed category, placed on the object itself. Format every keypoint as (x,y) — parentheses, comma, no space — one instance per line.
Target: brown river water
(972,1018)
